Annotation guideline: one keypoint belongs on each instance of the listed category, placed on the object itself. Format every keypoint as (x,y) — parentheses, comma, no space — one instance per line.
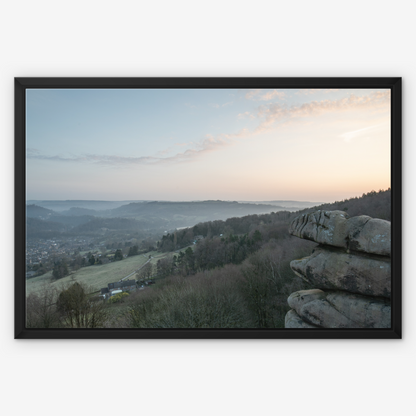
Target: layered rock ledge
(350,269)
(336,309)
(328,268)
(337,229)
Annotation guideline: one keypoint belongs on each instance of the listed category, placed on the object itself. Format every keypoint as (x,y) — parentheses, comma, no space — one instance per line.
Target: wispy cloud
(272,94)
(207,145)
(88,158)
(164,151)
(267,114)
(244,115)
(263,95)
(252,93)
(272,113)
(311,91)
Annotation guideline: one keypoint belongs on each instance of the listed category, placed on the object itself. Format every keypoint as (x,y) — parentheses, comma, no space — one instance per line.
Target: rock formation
(335,228)
(350,268)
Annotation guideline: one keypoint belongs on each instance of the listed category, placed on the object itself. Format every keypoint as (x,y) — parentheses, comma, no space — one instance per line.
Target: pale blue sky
(319,145)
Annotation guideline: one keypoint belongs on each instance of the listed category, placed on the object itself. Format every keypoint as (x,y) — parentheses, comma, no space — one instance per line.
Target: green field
(97,276)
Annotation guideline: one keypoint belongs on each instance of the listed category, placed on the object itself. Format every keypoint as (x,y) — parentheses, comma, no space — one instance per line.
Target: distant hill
(67,205)
(35,211)
(160,216)
(208,210)
(287,205)
(154,216)
(76,212)
(37,228)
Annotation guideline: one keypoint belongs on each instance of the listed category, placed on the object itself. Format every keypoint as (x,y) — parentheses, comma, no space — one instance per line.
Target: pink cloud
(272,113)
(266,96)
(272,94)
(244,115)
(252,94)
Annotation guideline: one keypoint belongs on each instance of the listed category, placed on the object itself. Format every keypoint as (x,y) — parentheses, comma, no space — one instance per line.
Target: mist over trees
(154,216)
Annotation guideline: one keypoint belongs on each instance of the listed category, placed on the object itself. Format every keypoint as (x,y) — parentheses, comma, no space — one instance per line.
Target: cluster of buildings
(117,287)
(123,286)
(38,251)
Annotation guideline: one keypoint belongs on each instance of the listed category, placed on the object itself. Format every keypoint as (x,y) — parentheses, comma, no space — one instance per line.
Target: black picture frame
(394,84)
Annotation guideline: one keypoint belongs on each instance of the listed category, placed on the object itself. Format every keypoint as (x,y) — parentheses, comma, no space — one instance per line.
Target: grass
(36,284)
(95,276)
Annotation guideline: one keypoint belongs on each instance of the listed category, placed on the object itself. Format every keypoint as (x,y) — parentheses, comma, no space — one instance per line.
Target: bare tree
(146,271)
(79,310)
(41,309)
(164,267)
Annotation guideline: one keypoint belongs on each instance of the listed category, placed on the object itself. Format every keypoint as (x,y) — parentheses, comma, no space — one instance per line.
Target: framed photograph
(208,208)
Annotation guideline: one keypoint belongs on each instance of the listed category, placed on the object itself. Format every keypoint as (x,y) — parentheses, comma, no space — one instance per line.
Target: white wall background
(215,38)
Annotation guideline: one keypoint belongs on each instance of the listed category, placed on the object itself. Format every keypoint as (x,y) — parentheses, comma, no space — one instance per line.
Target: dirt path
(131,274)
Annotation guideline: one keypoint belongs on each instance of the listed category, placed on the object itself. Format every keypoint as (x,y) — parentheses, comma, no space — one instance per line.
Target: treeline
(375,204)
(210,253)
(274,225)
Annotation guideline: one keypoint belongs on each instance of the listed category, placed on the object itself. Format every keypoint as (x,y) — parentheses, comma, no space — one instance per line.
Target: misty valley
(163,264)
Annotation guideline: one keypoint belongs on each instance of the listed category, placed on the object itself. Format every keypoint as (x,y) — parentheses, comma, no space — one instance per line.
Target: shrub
(119,297)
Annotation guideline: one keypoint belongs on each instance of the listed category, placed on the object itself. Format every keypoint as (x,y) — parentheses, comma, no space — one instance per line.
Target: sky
(206,144)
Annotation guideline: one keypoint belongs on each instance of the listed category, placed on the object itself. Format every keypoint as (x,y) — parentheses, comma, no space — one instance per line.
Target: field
(97,276)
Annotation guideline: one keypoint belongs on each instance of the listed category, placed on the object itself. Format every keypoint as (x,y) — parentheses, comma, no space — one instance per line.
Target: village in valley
(108,268)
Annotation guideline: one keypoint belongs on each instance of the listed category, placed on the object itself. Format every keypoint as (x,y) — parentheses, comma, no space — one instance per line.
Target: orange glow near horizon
(258,145)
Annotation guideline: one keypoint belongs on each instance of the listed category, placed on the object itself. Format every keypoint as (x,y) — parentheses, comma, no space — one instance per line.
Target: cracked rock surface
(350,269)
(337,229)
(327,268)
(336,309)
(293,320)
